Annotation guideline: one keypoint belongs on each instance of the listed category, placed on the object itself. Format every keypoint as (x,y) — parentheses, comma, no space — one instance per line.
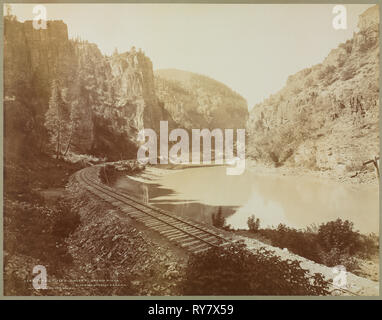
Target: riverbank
(292,198)
(303,243)
(366,177)
(356,284)
(164,178)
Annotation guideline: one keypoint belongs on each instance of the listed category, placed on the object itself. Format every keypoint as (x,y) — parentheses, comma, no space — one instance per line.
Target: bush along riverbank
(235,270)
(333,243)
(110,172)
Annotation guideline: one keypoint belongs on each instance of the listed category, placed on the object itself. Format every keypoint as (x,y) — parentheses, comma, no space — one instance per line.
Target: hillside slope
(326,117)
(197,101)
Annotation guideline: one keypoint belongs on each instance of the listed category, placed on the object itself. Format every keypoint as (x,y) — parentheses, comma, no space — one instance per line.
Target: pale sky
(251,48)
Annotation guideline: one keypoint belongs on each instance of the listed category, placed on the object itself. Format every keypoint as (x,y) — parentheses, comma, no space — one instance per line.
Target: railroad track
(183,232)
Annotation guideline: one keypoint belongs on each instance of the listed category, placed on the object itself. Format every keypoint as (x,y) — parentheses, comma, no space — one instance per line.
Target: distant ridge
(197,100)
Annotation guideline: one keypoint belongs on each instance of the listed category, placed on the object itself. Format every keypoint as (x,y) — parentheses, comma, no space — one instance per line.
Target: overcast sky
(250,48)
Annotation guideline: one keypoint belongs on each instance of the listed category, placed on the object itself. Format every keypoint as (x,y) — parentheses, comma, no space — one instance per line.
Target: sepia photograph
(190,150)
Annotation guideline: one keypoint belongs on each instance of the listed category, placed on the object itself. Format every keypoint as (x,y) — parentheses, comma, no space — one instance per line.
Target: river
(297,201)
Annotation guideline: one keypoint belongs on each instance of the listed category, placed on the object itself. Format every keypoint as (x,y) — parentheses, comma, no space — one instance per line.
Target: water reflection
(295,201)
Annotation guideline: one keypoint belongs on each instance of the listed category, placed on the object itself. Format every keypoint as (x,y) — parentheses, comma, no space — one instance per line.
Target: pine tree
(76,98)
(253,223)
(57,120)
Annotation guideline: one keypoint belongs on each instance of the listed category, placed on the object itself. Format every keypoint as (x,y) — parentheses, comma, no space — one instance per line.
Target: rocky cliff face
(113,97)
(32,58)
(196,101)
(326,116)
(120,89)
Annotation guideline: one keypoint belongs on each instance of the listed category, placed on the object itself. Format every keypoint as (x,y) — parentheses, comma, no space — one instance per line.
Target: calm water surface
(295,201)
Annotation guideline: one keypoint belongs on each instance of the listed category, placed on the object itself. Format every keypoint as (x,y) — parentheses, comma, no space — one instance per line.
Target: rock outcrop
(326,117)
(197,101)
(112,97)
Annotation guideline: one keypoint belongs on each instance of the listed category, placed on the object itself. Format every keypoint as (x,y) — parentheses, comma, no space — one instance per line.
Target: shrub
(347,74)
(327,72)
(218,220)
(339,235)
(341,60)
(367,43)
(333,243)
(369,245)
(302,243)
(296,91)
(110,172)
(354,166)
(279,144)
(253,223)
(274,157)
(234,270)
(307,71)
(40,232)
(66,221)
(335,257)
(347,46)
(309,82)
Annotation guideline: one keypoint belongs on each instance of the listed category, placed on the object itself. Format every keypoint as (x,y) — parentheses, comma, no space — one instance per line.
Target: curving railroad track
(185,233)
